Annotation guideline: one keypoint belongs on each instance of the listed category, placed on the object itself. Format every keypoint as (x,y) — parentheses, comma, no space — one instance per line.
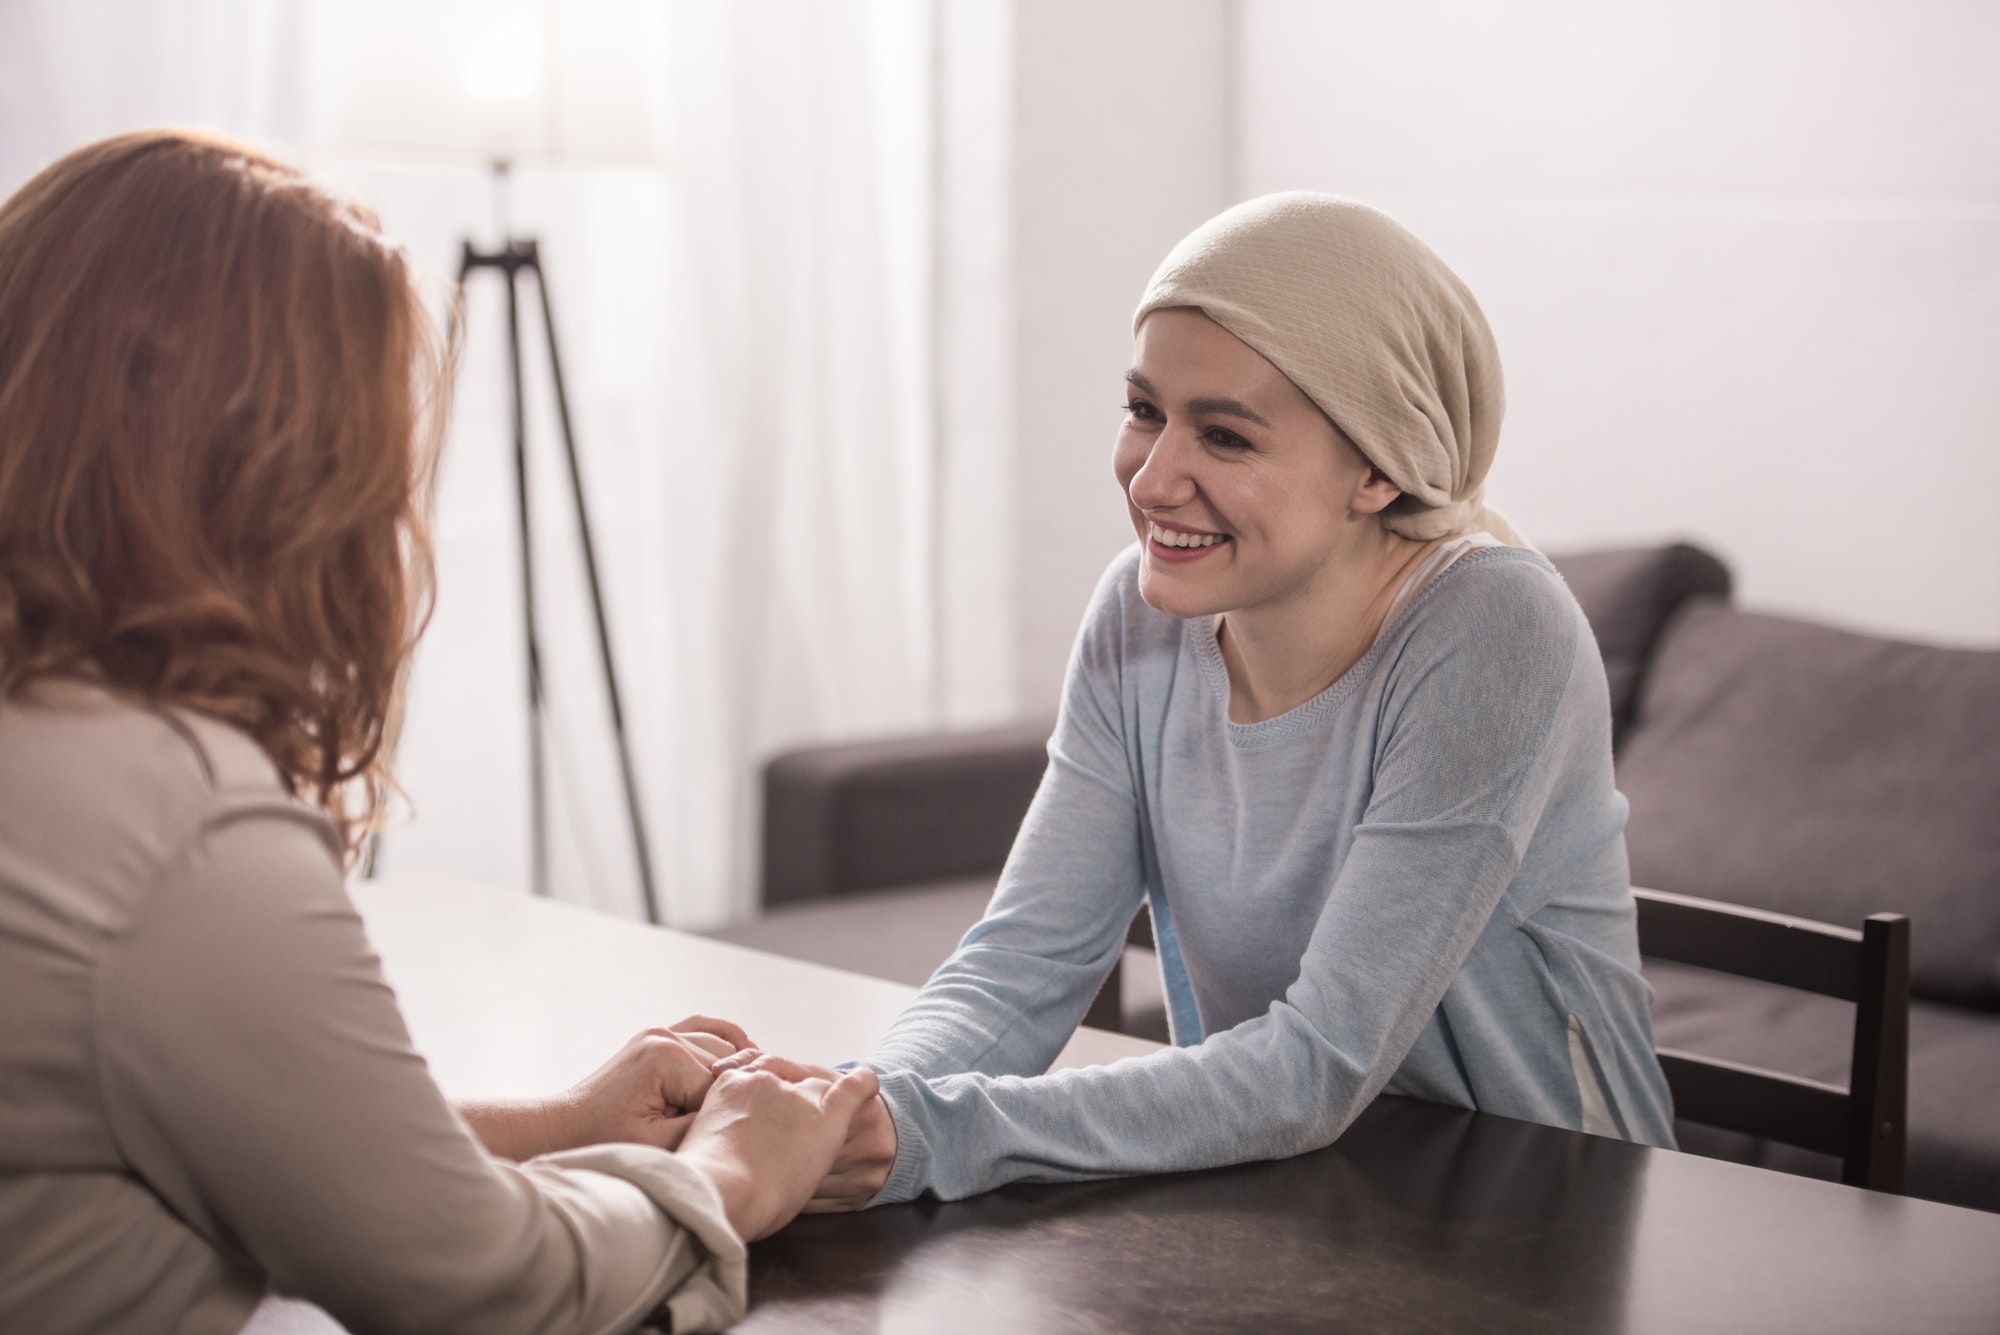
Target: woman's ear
(1376,492)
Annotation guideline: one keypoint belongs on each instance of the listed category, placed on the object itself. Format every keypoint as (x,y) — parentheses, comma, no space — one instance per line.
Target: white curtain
(76,70)
(747,330)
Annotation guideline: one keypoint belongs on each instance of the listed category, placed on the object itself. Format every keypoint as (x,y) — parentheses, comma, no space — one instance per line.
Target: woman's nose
(1164,479)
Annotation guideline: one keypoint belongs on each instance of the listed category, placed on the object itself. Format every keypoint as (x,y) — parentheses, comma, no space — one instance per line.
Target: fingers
(663,1044)
(737,1061)
(853,1089)
(782,1067)
(848,1187)
(678,1059)
(658,1072)
(855,1187)
(833,1205)
(847,1091)
(726,1030)
(708,1044)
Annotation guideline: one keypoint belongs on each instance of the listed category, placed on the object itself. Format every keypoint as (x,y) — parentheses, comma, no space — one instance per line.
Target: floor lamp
(504,81)
(516,260)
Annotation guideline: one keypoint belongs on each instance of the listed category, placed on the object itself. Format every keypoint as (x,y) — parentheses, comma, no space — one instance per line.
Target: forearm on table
(1271,1088)
(1282,1083)
(997,1012)
(517,1129)
(1013,993)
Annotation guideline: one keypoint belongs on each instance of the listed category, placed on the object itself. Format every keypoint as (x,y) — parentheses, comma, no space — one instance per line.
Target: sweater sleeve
(258,1076)
(1461,769)
(1018,985)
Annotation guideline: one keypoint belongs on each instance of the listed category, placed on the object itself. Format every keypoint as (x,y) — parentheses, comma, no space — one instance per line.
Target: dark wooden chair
(1864,1124)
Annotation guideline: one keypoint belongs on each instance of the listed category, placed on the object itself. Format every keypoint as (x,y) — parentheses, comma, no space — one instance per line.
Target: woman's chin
(1178,594)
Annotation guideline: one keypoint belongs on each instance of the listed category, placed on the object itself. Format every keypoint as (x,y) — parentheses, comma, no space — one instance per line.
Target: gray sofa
(1769,761)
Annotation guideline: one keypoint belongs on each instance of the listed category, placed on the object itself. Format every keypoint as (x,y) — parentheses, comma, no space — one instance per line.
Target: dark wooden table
(1420,1218)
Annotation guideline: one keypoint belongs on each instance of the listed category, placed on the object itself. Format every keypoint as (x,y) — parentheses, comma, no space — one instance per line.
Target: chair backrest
(1865,1123)
(1795,767)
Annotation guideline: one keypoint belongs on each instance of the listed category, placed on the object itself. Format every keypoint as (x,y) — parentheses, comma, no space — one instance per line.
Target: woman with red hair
(219,400)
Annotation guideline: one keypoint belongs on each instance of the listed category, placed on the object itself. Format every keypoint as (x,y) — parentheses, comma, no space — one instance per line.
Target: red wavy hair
(220,398)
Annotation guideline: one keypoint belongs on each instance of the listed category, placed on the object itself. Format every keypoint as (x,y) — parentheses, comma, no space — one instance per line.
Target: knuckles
(667,1052)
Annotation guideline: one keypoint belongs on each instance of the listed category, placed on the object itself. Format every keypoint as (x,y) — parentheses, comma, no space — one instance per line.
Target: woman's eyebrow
(1224,408)
(1201,407)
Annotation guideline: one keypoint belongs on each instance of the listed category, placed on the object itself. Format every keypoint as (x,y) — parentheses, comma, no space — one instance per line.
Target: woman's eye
(1227,440)
(1142,410)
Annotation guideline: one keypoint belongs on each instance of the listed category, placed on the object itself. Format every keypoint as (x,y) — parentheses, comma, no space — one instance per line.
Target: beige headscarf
(1374,328)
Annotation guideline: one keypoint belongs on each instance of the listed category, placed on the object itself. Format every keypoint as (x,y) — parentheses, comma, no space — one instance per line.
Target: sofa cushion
(1627,597)
(1954,1140)
(1793,767)
(863,816)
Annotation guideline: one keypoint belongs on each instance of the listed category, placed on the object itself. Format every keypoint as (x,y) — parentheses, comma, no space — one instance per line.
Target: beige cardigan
(206,1088)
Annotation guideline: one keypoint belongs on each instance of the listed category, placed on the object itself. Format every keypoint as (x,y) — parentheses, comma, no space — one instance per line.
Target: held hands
(862,1166)
(866,1155)
(768,1133)
(774,1136)
(646,1095)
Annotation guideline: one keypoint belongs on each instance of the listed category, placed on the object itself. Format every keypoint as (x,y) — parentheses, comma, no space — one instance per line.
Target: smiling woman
(1339,728)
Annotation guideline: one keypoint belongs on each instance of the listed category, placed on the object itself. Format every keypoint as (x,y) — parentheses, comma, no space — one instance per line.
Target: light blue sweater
(1415,883)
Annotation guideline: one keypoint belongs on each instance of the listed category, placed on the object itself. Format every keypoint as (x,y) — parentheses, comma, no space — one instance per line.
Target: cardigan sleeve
(258,1076)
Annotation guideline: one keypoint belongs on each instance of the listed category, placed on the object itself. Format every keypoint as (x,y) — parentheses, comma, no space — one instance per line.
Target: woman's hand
(862,1166)
(767,1134)
(647,1092)
(645,1095)
(866,1157)
(724,1038)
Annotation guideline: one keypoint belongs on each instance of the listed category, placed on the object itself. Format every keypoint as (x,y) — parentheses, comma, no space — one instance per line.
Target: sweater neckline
(1302,718)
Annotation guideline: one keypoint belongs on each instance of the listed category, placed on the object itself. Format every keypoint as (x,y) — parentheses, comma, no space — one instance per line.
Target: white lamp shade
(514,80)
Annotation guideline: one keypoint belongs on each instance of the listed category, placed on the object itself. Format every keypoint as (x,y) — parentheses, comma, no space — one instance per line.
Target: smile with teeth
(1167,537)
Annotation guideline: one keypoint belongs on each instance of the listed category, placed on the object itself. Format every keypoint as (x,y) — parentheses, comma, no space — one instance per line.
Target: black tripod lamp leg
(537,797)
(641,850)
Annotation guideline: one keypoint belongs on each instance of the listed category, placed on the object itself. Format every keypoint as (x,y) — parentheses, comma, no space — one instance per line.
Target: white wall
(1120,118)
(1742,256)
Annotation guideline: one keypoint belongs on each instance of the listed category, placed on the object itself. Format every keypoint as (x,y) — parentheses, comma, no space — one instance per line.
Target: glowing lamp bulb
(505,66)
